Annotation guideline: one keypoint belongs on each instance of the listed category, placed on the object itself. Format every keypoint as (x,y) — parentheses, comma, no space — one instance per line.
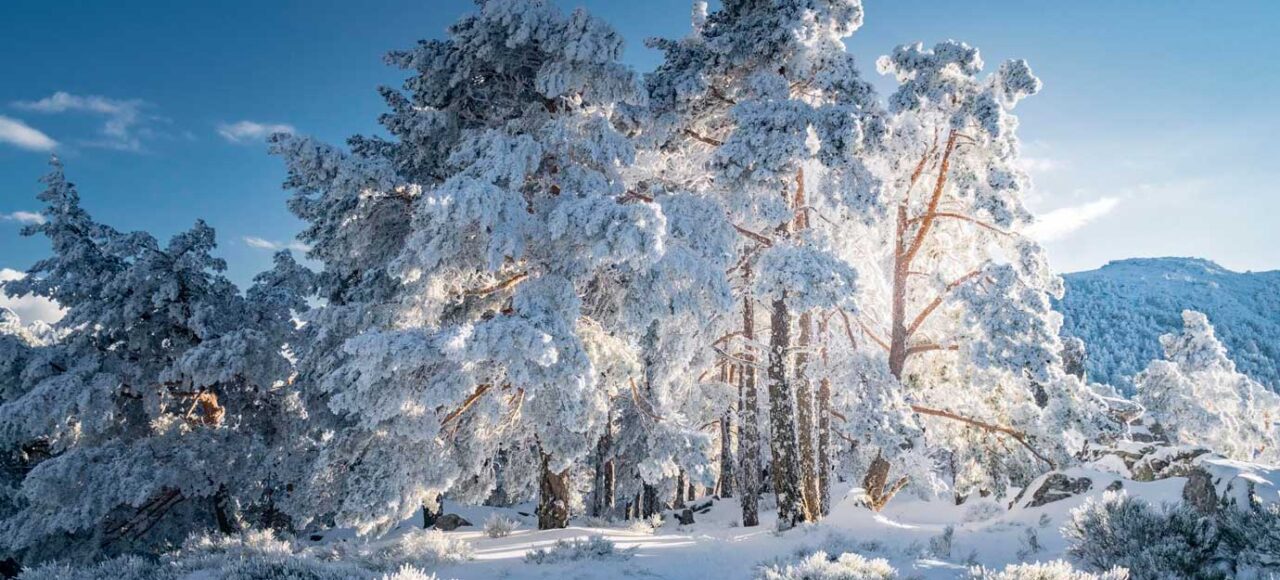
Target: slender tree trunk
(805,422)
(785,469)
(749,420)
(680,491)
(553,497)
(726,455)
(602,497)
(824,446)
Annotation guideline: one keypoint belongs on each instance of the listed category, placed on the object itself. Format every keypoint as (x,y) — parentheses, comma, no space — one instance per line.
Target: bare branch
(1018,436)
(919,348)
(759,238)
(703,138)
(933,305)
(499,287)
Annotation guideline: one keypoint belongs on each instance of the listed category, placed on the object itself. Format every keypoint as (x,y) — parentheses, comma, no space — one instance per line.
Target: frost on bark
(805,421)
(785,471)
(749,425)
(726,447)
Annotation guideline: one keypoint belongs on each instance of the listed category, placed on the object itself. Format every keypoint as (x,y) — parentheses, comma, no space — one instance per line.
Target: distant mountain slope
(1119,310)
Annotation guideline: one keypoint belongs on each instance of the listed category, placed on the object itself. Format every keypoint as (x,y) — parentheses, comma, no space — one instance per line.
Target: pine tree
(164,396)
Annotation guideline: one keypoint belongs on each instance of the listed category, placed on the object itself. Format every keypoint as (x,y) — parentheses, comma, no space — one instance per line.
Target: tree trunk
(432,510)
(602,495)
(680,491)
(805,422)
(824,447)
(553,497)
(649,501)
(785,469)
(876,484)
(726,455)
(749,420)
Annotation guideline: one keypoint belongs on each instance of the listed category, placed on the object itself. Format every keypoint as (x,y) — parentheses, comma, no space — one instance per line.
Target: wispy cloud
(1062,222)
(251,131)
(1039,164)
(265,244)
(17,133)
(28,308)
(22,217)
(124,127)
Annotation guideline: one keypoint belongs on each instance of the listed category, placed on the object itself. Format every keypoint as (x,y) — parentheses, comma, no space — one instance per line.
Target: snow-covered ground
(911,534)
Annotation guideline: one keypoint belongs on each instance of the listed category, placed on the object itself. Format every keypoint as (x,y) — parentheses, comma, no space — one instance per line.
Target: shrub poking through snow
(589,548)
(122,568)
(499,526)
(1055,570)
(820,566)
(1172,541)
(1252,538)
(422,548)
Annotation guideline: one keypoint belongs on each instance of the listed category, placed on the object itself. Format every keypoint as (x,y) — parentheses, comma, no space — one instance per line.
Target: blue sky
(1154,134)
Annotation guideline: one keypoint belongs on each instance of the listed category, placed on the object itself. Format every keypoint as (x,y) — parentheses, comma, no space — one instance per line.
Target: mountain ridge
(1122,308)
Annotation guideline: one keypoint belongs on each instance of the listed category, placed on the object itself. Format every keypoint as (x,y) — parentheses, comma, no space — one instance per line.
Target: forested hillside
(1121,309)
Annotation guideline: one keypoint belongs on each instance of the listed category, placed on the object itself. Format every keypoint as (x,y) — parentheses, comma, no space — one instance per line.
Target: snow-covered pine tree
(164,398)
(467,334)
(1197,397)
(742,108)
(954,295)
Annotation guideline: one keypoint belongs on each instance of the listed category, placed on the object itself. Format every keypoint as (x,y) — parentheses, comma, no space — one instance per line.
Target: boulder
(450,522)
(1051,487)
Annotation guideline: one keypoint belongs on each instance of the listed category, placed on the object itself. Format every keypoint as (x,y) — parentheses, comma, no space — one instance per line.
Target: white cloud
(1062,222)
(17,133)
(265,244)
(28,308)
(250,131)
(123,128)
(1039,164)
(23,217)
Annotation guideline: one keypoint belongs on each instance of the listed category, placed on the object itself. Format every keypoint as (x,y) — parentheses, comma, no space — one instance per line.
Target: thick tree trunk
(876,483)
(553,497)
(749,422)
(805,422)
(649,505)
(785,469)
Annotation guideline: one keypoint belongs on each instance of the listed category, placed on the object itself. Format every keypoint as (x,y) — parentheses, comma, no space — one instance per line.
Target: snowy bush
(422,548)
(1055,570)
(499,526)
(646,525)
(820,566)
(407,572)
(940,545)
(1117,530)
(123,568)
(589,548)
(1251,537)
